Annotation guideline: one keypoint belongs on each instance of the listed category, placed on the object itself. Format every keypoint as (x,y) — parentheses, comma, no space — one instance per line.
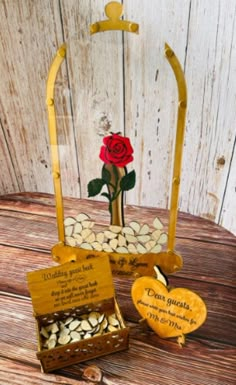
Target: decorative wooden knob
(114,10)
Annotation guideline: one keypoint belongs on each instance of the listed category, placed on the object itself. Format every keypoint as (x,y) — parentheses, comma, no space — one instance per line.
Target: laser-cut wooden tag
(171,313)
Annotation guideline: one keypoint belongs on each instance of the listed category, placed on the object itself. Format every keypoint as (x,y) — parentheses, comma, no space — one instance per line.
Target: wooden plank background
(122,82)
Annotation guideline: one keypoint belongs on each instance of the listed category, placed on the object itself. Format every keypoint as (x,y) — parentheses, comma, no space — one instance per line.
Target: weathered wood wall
(115,82)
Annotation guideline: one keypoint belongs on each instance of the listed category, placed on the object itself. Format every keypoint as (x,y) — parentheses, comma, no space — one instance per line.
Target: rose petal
(117,150)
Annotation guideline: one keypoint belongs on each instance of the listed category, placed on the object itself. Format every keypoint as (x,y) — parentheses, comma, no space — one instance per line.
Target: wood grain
(25,58)
(209,139)
(8,180)
(114,82)
(228,210)
(151,96)
(96,83)
(43,204)
(27,232)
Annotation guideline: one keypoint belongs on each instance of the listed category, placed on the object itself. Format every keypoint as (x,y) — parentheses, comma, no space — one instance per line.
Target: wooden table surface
(27,233)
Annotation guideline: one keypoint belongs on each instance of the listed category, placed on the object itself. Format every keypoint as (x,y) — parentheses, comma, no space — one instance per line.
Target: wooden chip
(51,343)
(127,230)
(90,238)
(109,235)
(121,240)
(67,321)
(87,224)
(143,238)
(96,246)
(44,332)
(104,324)
(101,318)
(157,224)
(144,229)
(71,241)
(75,340)
(115,229)
(113,243)
(106,247)
(150,244)
(86,246)
(135,226)
(163,239)
(100,237)
(113,320)
(156,249)
(87,335)
(122,250)
(108,250)
(156,234)
(78,228)
(53,337)
(48,327)
(85,325)
(75,336)
(64,339)
(61,325)
(112,328)
(98,334)
(85,233)
(93,321)
(69,221)
(74,324)
(78,238)
(64,332)
(82,217)
(69,230)
(74,329)
(141,249)
(94,314)
(130,238)
(54,328)
(132,248)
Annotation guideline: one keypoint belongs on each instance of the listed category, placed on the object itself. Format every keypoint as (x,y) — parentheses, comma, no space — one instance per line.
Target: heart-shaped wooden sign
(169,313)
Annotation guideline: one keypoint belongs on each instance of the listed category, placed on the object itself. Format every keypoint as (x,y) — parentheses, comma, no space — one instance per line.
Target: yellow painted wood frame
(53,71)
(114,11)
(179,141)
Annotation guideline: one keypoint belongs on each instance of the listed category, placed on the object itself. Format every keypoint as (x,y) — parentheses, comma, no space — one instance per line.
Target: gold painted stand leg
(182,105)
(53,140)
(170,261)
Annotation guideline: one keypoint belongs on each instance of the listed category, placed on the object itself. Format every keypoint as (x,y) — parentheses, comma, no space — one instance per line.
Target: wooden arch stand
(169,260)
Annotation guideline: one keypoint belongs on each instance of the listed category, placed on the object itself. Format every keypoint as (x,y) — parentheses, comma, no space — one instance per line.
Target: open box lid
(70,285)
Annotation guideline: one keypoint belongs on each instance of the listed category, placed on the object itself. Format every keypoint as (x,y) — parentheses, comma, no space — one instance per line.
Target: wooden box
(76,290)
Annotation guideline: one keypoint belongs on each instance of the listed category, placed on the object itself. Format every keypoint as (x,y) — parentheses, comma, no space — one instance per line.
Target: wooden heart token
(169,313)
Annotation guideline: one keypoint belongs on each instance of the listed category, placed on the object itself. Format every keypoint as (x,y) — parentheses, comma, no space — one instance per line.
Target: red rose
(117,150)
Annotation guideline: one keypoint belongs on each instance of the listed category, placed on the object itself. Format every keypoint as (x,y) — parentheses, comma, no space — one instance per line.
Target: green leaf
(95,186)
(106,176)
(106,195)
(128,181)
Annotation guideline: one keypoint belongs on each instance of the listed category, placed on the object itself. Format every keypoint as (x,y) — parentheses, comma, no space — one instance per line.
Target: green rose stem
(116,205)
